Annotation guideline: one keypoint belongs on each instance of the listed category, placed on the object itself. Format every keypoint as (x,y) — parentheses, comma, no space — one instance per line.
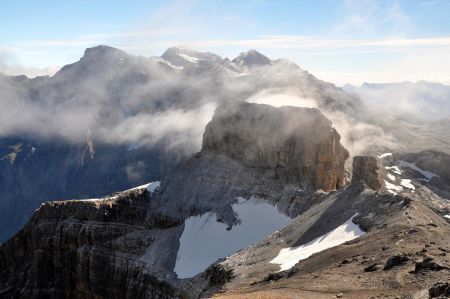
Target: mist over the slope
(427,101)
(118,99)
(357,135)
(180,129)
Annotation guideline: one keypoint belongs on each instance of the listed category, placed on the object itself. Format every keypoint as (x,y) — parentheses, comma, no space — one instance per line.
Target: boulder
(395,261)
(440,289)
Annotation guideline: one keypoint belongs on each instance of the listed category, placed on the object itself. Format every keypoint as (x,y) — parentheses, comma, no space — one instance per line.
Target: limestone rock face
(297,145)
(91,249)
(366,169)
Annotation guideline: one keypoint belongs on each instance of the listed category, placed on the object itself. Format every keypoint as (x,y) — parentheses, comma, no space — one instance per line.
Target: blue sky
(339,41)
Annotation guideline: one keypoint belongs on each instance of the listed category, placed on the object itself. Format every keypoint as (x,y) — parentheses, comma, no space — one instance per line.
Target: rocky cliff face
(297,145)
(91,249)
(367,170)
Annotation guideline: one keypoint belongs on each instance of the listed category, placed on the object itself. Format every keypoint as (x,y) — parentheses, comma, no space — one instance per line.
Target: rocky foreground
(127,245)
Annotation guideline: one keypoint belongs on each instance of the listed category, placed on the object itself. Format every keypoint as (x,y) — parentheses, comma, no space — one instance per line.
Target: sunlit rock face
(366,169)
(296,145)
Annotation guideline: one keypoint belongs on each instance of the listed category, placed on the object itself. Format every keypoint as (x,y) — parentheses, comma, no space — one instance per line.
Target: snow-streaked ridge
(428,174)
(392,188)
(288,257)
(151,187)
(382,156)
(394,169)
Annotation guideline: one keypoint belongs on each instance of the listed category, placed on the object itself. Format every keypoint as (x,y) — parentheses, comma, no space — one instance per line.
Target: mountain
(112,120)
(250,59)
(261,210)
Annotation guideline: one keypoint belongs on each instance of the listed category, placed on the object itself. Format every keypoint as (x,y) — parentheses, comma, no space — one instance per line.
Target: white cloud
(31,72)
(363,17)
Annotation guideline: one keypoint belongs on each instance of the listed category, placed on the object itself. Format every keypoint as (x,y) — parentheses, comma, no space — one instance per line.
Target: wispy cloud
(295,42)
(363,17)
(130,34)
(16,69)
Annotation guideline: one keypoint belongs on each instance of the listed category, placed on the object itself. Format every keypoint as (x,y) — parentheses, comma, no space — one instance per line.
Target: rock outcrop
(366,169)
(296,145)
(91,249)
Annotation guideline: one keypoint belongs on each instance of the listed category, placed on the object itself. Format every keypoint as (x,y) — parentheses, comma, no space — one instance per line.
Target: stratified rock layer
(298,145)
(91,249)
(366,169)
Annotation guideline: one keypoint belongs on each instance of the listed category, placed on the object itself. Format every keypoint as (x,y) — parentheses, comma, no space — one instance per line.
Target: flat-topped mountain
(299,145)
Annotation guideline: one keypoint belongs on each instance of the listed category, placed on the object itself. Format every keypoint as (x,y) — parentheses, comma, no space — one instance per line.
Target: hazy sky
(338,41)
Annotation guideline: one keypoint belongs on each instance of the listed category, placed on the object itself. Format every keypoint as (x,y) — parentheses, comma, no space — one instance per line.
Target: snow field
(290,256)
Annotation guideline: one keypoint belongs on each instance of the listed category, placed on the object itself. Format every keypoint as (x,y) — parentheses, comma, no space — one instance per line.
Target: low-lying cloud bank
(425,100)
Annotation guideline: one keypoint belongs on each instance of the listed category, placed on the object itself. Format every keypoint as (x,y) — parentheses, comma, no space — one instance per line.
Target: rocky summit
(297,145)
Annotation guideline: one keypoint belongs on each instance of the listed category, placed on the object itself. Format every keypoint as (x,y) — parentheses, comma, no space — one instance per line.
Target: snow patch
(134,146)
(447,216)
(168,63)
(391,176)
(189,58)
(393,188)
(151,187)
(204,240)
(382,156)
(407,183)
(425,173)
(394,169)
(290,256)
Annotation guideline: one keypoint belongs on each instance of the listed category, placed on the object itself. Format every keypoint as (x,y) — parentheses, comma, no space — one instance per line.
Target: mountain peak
(183,55)
(100,51)
(251,58)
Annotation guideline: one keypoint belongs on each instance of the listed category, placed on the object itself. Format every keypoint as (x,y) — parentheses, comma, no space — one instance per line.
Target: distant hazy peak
(182,55)
(251,58)
(101,51)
